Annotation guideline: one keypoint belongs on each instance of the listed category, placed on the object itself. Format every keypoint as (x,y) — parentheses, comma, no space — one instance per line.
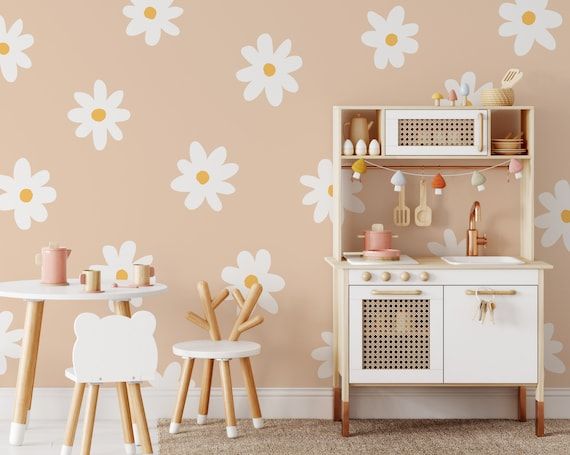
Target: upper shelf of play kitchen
(459,129)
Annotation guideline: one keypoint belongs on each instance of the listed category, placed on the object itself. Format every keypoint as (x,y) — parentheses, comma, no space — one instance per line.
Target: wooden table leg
(73,418)
(231,424)
(126,418)
(123,308)
(26,371)
(251,392)
(522,403)
(205,391)
(182,395)
(539,416)
(140,417)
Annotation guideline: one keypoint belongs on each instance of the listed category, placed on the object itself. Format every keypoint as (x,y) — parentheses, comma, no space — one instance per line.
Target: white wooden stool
(113,349)
(222,351)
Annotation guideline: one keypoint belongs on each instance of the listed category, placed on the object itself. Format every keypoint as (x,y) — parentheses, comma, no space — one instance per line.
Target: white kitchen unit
(417,322)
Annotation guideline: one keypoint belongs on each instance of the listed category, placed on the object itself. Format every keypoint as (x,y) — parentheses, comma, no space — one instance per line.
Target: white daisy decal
(469,79)
(119,266)
(8,340)
(251,270)
(552,347)
(204,177)
(99,114)
(529,21)
(450,246)
(324,355)
(557,220)
(26,194)
(391,38)
(152,17)
(170,379)
(269,70)
(12,47)
(322,192)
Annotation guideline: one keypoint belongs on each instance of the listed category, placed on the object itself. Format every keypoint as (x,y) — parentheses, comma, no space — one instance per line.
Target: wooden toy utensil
(401,212)
(423,212)
(511,77)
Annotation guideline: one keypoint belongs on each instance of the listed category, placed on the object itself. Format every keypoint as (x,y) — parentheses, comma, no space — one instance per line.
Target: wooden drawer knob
(424,276)
(386,276)
(366,276)
(405,276)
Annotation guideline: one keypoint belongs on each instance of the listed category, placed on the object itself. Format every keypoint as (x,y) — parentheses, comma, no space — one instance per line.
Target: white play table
(35,294)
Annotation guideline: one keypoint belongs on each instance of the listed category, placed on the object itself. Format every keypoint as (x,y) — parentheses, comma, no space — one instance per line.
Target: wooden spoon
(423,212)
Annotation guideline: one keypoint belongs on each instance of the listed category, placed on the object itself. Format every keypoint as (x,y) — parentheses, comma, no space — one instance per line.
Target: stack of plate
(508,146)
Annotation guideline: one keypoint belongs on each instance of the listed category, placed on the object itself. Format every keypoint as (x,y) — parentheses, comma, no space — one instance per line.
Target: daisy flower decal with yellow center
(25,193)
(119,266)
(255,269)
(12,47)
(529,21)
(152,17)
(204,177)
(556,220)
(99,114)
(269,70)
(391,38)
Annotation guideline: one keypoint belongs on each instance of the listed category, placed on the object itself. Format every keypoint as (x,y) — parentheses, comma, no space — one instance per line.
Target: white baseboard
(314,403)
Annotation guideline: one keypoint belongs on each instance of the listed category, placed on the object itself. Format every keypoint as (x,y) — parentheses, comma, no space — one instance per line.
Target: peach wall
(184,89)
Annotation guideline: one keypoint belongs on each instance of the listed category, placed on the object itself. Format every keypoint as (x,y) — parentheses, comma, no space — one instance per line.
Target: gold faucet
(473,239)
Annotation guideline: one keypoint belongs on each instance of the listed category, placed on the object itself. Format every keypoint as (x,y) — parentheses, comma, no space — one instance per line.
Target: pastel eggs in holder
(348,148)
(374,148)
(361,148)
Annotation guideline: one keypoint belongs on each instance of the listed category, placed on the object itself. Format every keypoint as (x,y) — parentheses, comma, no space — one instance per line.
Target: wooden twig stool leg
(205,392)
(73,418)
(231,426)
(522,403)
(182,394)
(126,419)
(140,417)
(89,421)
(251,392)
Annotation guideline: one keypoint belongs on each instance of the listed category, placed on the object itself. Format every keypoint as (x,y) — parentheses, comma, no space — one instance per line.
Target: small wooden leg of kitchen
(539,422)
(337,417)
(522,403)
(345,419)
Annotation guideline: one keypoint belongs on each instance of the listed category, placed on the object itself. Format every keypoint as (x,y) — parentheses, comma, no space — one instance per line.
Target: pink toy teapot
(53,260)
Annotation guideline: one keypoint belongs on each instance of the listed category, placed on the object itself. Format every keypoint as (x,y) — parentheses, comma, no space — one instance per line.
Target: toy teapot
(359,128)
(53,260)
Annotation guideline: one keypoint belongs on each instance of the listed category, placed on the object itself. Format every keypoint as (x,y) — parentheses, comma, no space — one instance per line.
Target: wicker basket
(497,97)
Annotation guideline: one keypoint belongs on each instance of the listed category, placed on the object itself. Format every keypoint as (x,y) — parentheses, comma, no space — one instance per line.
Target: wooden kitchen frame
(511,278)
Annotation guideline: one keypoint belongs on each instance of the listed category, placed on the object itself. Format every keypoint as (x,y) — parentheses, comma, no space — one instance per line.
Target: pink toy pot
(377,240)
(53,260)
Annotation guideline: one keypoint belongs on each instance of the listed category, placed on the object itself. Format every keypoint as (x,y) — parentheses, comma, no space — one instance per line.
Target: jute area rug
(369,437)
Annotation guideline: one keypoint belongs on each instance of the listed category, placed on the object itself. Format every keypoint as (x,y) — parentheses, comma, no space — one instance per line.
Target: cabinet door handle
(480,132)
(491,292)
(387,292)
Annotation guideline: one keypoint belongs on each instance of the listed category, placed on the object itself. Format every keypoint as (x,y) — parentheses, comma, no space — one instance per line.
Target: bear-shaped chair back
(115,348)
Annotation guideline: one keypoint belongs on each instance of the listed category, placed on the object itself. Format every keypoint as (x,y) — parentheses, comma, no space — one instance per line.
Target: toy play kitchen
(469,320)
(53,262)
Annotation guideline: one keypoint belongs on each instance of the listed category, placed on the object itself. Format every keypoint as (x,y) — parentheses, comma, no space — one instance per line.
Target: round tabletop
(36,291)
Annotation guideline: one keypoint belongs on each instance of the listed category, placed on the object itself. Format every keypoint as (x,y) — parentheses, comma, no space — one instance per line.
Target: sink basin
(481,260)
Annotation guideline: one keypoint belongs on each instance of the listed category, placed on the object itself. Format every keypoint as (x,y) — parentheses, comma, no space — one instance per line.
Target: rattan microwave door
(435,132)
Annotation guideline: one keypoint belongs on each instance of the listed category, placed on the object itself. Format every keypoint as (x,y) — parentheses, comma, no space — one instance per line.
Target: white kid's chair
(113,349)
(222,351)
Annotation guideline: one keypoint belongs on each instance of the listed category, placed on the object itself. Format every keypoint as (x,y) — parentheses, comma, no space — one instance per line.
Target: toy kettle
(359,129)
(53,260)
